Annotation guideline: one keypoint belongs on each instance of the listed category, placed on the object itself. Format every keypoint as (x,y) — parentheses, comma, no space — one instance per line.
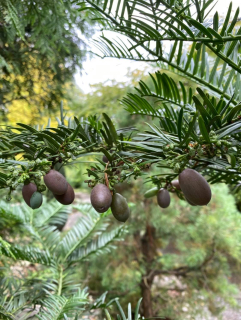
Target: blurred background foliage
(189,257)
(41,47)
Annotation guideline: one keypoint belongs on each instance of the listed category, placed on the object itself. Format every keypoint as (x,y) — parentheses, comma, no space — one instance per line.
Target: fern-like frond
(49,236)
(11,15)
(103,243)
(5,315)
(14,214)
(30,254)
(5,248)
(203,69)
(59,307)
(144,27)
(77,235)
(100,303)
(51,213)
(14,304)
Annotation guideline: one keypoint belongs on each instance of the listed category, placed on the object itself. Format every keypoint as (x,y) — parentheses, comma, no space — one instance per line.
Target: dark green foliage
(174,22)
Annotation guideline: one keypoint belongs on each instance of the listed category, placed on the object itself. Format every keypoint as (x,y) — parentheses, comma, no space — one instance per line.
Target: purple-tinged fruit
(27,192)
(195,187)
(101,198)
(56,182)
(163,198)
(66,198)
(176,184)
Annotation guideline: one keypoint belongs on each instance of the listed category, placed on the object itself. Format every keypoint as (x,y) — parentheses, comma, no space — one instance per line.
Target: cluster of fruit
(191,184)
(102,199)
(55,182)
(195,188)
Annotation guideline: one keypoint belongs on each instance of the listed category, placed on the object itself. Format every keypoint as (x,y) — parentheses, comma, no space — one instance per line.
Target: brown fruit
(163,198)
(176,184)
(101,198)
(190,202)
(195,187)
(105,159)
(67,197)
(119,208)
(56,182)
(27,192)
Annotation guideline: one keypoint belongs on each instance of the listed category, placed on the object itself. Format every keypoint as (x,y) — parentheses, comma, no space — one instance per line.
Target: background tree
(41,46)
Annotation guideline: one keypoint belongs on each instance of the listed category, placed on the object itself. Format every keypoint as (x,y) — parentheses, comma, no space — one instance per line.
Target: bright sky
(101,70)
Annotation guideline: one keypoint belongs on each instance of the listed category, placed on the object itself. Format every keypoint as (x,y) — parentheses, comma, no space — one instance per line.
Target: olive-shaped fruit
(119,208)
(151,192)
(195,187)
(56,182)
(36,200)
(67,197)
(28,191)
(190,202)
(105,159)
(176,184)
(163,198)
(101,198)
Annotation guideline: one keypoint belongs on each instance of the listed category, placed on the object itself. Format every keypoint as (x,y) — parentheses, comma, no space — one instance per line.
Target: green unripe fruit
(41,188)
(27,192)
(15,173)
(151,193)
(212,133)
(125,166)
(119,208)
(36,200)
(163,198)
(67,197)
(191,152)
(195,187)
(199,151)
(56,182)
(101,198)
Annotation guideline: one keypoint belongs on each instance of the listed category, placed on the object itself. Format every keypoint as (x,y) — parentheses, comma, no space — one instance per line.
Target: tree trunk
(146,296)
(148,249)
